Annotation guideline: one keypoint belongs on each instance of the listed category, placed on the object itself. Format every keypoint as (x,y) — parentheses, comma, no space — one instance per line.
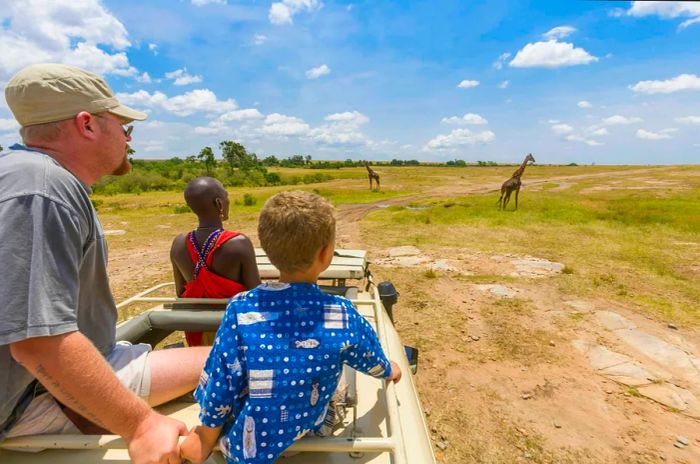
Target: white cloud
(153,47)
(459,138)
(241,115)
(668,10)
(498,64)
(578,138)
(315,73)
(621,120)
(181,77)
(62,31)
(350,118)
(689,120)
(95,59)
(562,129)
(144,78)
(569,134)
(206,2)
(195,101)
(283,125)
(551,54)
(214,127)
(676,84)
(283,12)
(559,32)
(584,104)
(327,135)
(218,125)
(259,39)
(468,118)
(467,84)
(504,85)
(647,135)
(8,124)
(342,130)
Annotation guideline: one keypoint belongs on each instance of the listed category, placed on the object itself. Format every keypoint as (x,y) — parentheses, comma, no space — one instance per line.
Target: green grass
(623,243)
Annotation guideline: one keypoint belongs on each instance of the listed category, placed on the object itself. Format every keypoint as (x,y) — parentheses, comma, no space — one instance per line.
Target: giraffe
(513,184)
(372,175)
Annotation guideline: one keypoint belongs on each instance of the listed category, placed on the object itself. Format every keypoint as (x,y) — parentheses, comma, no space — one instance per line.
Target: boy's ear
(326,252)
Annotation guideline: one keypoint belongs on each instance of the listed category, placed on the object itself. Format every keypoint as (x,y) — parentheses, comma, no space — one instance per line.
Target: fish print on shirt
(274,286)
(308,343)
(313,398)
(254,317)
(249,448)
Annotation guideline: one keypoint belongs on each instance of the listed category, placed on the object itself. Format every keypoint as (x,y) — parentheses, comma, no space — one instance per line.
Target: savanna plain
(567,331)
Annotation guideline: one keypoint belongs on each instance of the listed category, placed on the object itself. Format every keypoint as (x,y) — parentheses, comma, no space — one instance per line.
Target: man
(57,314)
(210,262)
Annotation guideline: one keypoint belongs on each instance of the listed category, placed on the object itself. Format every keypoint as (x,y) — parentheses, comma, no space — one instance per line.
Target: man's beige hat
(49,92)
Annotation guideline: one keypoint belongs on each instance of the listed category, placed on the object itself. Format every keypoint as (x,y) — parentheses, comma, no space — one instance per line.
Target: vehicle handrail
(91,442)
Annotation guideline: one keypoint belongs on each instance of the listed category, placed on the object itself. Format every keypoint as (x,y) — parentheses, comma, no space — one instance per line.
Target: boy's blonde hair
(293,227)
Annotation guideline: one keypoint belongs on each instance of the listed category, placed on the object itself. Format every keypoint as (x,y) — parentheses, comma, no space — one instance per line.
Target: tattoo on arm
(47,379)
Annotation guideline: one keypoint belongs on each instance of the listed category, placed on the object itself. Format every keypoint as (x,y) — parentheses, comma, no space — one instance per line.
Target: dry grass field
(566,331)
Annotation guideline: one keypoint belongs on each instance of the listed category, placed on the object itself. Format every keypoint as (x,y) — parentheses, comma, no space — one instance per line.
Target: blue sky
(569,81)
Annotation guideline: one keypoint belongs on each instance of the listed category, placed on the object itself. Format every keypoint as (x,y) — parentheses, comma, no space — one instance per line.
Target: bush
(272,178)
(174,174)
(249,200)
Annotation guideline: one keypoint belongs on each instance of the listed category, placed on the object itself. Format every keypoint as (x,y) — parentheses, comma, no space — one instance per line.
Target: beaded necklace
(203,252)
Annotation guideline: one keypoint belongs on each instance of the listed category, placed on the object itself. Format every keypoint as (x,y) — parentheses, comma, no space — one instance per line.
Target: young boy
(279,352)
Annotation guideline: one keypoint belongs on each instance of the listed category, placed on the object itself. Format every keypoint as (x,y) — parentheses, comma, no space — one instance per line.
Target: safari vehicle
(383,424)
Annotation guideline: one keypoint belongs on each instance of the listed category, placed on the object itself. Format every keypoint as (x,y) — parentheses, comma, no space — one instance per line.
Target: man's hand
(155,440)
(395,373)
(194,449)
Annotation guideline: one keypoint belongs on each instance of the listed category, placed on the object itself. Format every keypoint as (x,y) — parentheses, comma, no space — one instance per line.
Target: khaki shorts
(44,416)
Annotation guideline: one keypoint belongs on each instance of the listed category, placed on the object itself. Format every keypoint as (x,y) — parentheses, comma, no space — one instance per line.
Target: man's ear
(87,125)
(219,205)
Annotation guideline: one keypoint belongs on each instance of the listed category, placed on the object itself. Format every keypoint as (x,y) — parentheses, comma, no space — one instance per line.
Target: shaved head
(206,197)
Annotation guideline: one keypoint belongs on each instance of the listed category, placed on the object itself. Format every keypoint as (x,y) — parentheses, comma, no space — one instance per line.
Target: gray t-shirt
(54,260)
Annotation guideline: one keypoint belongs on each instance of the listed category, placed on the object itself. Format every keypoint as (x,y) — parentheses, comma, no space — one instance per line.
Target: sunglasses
(127,130)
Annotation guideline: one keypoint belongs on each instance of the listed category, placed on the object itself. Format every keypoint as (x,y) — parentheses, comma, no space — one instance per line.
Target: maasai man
(210,262)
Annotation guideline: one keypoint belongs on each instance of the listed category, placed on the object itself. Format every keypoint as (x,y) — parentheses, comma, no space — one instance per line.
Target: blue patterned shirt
(275,365)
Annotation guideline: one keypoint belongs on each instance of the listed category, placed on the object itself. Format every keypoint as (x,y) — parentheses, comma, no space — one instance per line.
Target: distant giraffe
(513,184)
(372,175)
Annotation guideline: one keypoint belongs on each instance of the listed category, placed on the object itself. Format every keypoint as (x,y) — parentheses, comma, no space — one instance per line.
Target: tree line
(236,167)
